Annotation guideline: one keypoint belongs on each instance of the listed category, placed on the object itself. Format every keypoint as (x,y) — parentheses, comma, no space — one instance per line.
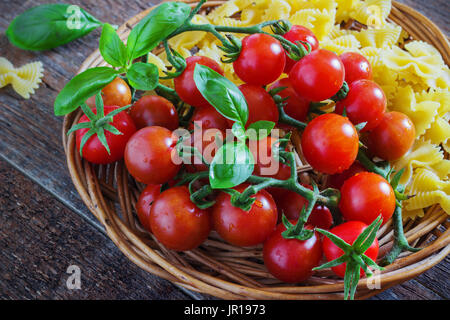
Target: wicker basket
(229,272)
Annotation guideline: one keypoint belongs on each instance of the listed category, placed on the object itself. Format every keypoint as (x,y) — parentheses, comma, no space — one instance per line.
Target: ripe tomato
(144,204)
(337,180)
(261,61)
(209,118)
(244,228)
(93,149)
(393,137)
(318,76)
(365,196)
(207,145)
(299,33)
(266,165)
(154,111)
(291,260)
(365,102)
(185,85)
(349,232)
(177,222)
(117,93)
(357,67)
(330,143)
(148,155)
(296,106)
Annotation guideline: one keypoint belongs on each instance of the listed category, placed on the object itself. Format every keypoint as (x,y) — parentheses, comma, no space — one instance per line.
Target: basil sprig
(50,25)
(143,76)
(111,47)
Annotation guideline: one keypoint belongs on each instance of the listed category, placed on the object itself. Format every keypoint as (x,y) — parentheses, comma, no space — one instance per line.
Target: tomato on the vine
(291,260)
(150,155)
(266,164)
(337,180)
(152,110)
(357,67)
(144,204)
(185,85)
(365,196)
(244,228)
(318,76)
(209,118)
(177,222)
(299,33)
(261,60)
(117,93)
(207,143)
(330,143)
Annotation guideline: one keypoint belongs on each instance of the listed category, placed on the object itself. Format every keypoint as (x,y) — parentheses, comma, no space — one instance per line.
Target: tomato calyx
(283,116)
(232,48)
(342,93)
(353,256)
(281,27)
(176,60)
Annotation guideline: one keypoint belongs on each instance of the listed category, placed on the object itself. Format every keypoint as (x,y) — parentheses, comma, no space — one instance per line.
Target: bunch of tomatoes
(330,143)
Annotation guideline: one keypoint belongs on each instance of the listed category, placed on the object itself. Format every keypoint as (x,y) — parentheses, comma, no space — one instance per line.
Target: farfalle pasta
(24,80)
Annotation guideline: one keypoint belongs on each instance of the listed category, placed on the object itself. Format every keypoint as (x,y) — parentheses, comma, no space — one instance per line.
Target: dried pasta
(24,80)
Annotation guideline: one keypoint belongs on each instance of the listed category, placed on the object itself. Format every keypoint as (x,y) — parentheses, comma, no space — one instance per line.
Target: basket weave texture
(229,272)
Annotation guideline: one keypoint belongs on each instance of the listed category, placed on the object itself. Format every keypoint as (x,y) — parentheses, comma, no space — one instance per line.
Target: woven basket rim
(139,248)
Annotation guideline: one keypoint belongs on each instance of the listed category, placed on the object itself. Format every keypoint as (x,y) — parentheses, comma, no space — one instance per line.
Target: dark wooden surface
(44,226)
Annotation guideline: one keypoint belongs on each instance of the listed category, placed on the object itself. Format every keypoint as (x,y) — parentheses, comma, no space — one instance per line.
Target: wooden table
(45,227)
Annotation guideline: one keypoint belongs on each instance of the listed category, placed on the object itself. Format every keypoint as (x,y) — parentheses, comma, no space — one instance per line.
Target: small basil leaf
(155,27)
(239,131)
(81,87)
(143,76)
(112,48)
(259,130)
(223,94)
(231,166)
(50,25)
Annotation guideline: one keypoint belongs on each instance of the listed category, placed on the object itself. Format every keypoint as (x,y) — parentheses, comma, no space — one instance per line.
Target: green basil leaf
(143,76)
(112,48)
(259,130)
(223,94)
(81,87)
(155,27)
(50,25)
(231,166)
(239,131)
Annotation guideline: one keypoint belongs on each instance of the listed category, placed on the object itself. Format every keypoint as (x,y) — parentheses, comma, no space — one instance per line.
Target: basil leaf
(50,25)
(239,131)
(81,87)
(259,130)
(112,48)
(223,94)
(143,76)
(231,166)
(155,27)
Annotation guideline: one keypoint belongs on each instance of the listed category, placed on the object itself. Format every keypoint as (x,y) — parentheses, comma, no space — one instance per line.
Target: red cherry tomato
(365,196)
(209,118)
(244,228)
(185,85)
(330,143)
(261,61)
(266,165)
(349,232)
(177,222)
(296,106)
(337,180)
(207,145)
(144,204)
(318,76)
(117,93)
(299,33)
(365,102)
(150,155)
(357,67)
(393,137)
(154,111)
(291,260)
(94,151)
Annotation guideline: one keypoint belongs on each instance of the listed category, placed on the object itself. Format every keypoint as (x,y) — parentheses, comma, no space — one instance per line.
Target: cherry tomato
(244,228)
(150,155)
(296,106)
(208,118)
(318,76)
(177,222)
(207,145)
(154,111)
(330,143)
(393,137)
(349,232)
(365,196)
(291,260)
(144,204)
(357,67)
(185,85)
(261,61)
(365,102)
(299,33)
(117,93)
(337,180)
(266,165)
(93,149)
